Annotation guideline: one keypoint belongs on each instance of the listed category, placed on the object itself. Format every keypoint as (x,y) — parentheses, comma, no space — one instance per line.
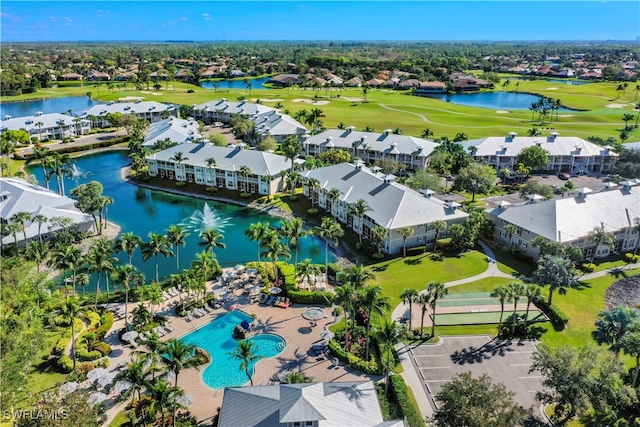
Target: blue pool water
(216,337)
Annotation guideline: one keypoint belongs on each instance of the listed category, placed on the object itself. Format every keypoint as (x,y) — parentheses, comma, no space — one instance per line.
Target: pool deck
(288,323)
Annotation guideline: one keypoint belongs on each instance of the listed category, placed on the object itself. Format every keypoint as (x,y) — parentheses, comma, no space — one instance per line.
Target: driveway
(507,362)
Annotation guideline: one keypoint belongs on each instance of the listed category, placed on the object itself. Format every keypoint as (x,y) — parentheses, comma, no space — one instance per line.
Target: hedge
(288,273)
(557,317)
(60,346)
(78,148)
(371,367)
(65,364)
(629,257)
(406,401)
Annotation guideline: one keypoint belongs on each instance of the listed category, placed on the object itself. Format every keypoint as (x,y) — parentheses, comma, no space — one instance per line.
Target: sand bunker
(502,112)
(267,100)
(616,105)
(352,99)
(130,98)
(152,93)
(310,101)
(551,88)
(565,115)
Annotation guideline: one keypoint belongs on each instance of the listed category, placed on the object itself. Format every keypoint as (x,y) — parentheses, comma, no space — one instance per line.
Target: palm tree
(522,171)
(293,179)
(601,238)
(58,259)
(176,235)
(75,258)
(257,232)
(206,262)
(409,296)
(345,297)
(60,165)
(35,251)
(22,218)
(439,226)
(128,242)
(516,290)
(313,185)
(357,276)
(69,311)
(372,301)
(163,397)
(157,245)
(532,292)
(329,230)
(405,232)
(426,133)
(211,239)
(295,233)
(127,275)
(291,148)
(423,300)
(378,234)
(502,293)
(510,229)
(178,356)
(40,219)
(359,210)
(178,157)
(305,269)
(333,196)
(612,325)
(437,291)
(42,154)
(99,261)
(140,372)
(556,272)
(388,335)
(295,378)
(626,118)
(630,344)
(245,354)
(211,164)
(274,249)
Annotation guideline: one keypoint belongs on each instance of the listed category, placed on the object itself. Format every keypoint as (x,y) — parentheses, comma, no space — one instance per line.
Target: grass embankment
(393,109)
(43,375)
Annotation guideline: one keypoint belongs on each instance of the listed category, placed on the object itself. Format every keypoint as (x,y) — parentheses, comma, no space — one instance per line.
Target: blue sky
(318,20)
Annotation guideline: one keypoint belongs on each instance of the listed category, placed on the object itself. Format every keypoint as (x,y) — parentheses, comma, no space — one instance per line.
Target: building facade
(392,205)
(151,111)
(48,126)
(232,167)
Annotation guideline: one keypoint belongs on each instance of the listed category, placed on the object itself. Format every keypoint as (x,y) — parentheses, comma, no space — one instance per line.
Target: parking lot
(507,362)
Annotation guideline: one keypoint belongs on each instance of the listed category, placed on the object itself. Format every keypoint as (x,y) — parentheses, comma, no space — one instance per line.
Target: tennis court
(486,317)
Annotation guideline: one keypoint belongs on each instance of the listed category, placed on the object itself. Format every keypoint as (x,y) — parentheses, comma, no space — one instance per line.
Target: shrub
(103,348)
(377,255)
(103,363)
(522,257)
(65,364)
(211,189)
(312,211)
(190,91)
(629,257)
(588,267)
(309,297)
(106,322)
(371,367)
(245,195)
(557,317)
(444,244)
(180,184)
(60,346)
(406,401)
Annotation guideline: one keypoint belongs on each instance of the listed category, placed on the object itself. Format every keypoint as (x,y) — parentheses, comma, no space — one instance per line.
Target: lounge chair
(169,328)
(190,316)
(264,298)
(198,312)
(158,331)
(270,300)
(207,308)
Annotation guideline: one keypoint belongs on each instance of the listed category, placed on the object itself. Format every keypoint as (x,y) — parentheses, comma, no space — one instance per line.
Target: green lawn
(489,317)
(397,274)
(392,109)
(43,376)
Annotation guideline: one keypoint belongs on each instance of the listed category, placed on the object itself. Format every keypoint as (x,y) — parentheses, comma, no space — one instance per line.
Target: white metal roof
(571,218)
(30,123)
(227,158)
(336,404)
(378,142)
(177,130)
(141,107)
(511,146)
(393,205)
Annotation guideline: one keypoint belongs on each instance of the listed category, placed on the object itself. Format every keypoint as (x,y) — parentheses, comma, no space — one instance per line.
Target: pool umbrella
(130,336)
(94,374)
(239,267)
(255,289)
(220,292)
(327,335)
(313,314)
(169,376)
(186,400)
(122,385)
(97,398)
(245,325)
(275,290)
(106,379)
(69,387)
(252,271)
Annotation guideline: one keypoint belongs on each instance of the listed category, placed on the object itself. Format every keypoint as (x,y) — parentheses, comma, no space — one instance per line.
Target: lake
(143,211)
(77,104)
(495,100)
(235,84)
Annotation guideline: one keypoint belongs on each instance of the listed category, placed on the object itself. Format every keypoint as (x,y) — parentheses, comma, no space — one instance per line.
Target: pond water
(143,211)
(76,104)
(235,84)
(495,100)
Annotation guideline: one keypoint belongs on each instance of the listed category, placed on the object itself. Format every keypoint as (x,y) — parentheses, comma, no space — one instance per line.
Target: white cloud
(53,19)
(68,21)
(207,16)
(183,19)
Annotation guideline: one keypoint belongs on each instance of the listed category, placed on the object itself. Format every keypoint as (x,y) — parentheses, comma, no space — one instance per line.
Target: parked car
(564,176)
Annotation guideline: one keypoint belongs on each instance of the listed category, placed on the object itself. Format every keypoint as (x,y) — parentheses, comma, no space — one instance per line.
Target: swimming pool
(217,338)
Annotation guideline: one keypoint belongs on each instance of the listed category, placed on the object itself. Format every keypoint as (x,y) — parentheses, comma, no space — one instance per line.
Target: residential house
(95,75)
(428,88)
(354,82)
(174,129)
(284,80)
(375,82)
(263,170)
(334,404)
(409,84)
(411,152)
(71,76)
(48,126)
(566,154)
(149,110)
(18,195)
(393,206)
(268,120)
(569,220)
